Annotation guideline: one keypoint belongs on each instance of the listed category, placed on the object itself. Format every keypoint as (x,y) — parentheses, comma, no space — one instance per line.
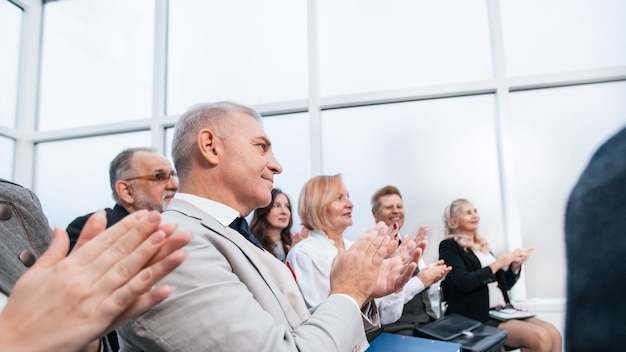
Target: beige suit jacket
(232,296)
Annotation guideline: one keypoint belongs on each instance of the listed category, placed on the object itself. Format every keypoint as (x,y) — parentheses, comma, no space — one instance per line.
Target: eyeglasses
(159,177)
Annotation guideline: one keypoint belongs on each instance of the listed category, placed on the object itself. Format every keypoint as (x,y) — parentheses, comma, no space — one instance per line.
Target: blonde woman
(325,209)
(479,281)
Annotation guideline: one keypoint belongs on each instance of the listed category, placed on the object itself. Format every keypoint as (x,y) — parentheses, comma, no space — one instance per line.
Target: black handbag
(473,335)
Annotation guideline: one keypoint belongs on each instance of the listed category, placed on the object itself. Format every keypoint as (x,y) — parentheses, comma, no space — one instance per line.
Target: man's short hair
(385,191)
(121,167)
(197,117)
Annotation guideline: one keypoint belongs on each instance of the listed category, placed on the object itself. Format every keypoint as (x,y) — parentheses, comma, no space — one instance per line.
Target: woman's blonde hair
(316,194)
(476,243)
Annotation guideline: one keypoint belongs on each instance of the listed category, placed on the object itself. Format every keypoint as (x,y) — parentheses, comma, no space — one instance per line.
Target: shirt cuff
(349,298)
(412,288)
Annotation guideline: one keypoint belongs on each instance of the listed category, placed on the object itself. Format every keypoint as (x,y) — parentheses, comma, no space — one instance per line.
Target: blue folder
(386,342)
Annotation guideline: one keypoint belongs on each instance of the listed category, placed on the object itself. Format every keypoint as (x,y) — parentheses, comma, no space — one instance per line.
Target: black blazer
(465,287)
(76,226)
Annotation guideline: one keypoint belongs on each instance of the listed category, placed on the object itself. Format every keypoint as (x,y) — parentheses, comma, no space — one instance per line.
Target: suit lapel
(470,258)
(275,274)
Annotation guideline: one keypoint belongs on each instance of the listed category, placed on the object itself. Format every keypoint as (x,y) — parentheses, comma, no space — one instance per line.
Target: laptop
(448,327)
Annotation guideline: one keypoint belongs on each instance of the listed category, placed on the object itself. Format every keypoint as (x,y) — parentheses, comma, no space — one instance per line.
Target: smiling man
(402,312)
(387,206)
(140,179)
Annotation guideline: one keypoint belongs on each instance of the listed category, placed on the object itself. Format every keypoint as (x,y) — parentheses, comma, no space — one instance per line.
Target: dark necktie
(241,225)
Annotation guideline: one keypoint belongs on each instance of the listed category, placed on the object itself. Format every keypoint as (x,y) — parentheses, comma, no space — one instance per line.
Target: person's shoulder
(78,223)
(447,242)
(17,193)
(606,165)
(615,143)
(82,218)
(11,186)
(10,183)
(115,214)
(298,247)
(301,249)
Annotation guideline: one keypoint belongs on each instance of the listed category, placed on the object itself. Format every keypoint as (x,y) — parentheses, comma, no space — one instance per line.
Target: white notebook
(505,314)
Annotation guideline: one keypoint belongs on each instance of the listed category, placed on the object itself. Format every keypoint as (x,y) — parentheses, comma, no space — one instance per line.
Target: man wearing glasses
(140,178)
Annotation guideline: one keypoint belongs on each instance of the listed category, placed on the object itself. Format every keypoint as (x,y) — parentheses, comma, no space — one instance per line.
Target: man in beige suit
(232,295)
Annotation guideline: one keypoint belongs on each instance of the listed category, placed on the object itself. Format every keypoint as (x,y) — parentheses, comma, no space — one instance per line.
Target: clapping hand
(519,257)
(355,271)
(514,258)
(374,266)
(63,303)
(433,272)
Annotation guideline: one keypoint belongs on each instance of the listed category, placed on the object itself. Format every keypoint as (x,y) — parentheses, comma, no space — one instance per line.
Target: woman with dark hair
(272,225)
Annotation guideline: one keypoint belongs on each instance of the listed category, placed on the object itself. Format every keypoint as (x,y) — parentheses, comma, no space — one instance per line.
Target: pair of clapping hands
(514,258)
(376,264)
(519,257)
(66,303)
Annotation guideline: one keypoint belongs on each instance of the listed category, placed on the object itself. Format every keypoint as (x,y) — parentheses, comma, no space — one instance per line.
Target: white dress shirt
(221,212)
(310,261)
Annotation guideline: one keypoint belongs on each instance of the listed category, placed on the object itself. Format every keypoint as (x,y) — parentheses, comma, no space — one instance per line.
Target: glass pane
(434,151)
(169,136)
(292,147)
(563,35)
(7,152)
(72,176)
(96,62)
(243,50)
(379,45)
(555,132)
(10,37)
